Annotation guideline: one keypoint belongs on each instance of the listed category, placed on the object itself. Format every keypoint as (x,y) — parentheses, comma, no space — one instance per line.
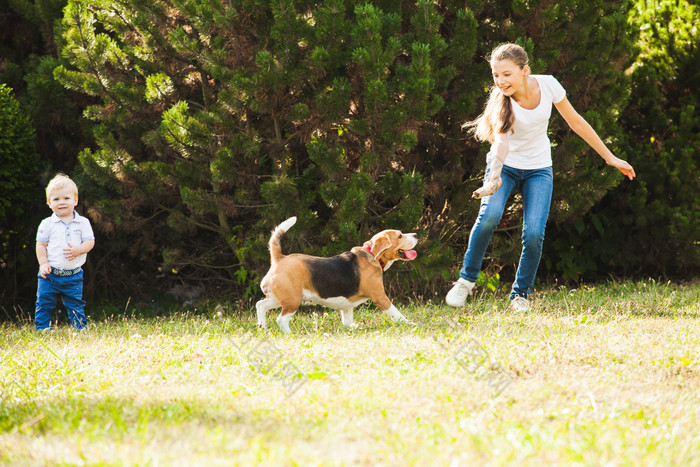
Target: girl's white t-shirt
(528,143)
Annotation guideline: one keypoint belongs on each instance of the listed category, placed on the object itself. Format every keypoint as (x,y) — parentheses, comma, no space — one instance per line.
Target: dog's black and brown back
(326,271)
(337,276)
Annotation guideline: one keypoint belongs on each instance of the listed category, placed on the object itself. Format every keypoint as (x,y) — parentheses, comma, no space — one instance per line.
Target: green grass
(603,375)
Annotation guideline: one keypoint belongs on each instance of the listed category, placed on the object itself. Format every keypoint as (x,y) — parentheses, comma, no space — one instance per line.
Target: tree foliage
(651,226)
(18,156)
(18,193)
(214,121)
(28,55)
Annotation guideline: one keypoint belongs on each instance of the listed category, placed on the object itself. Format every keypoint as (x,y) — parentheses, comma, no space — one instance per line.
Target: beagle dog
(341,282)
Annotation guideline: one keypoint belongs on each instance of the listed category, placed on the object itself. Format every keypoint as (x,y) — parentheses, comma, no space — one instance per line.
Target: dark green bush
(649,227)
(20,199)
(18,170)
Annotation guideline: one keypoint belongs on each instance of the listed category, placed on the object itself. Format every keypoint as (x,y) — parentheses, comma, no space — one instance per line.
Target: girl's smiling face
(62,202)
(508,76)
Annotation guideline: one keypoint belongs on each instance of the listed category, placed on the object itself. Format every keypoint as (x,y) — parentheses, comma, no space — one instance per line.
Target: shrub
(649,227)
(19,158)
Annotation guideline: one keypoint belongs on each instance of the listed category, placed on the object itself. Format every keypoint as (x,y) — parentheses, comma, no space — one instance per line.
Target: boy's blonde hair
(59,182)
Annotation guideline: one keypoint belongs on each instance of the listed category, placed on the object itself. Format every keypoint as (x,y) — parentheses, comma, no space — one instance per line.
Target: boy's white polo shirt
(58,235)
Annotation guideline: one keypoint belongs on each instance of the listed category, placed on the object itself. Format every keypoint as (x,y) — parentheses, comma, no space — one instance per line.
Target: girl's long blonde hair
(497,116)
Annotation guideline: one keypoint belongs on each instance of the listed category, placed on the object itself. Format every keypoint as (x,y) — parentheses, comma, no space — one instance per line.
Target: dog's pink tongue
(410,254)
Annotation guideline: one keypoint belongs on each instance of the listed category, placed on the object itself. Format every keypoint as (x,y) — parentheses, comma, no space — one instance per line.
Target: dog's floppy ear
(380,244)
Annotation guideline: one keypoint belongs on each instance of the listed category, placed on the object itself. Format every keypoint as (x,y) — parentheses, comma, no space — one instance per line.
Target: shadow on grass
(114,416)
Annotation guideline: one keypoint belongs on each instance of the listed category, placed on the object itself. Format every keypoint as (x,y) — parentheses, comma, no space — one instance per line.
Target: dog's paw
(406,321)
(489,188)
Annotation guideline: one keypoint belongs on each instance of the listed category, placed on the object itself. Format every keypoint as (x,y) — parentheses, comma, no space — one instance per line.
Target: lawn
(604,375)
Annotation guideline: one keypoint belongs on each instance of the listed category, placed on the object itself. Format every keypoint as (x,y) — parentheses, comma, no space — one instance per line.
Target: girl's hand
(490,186)
(623,166)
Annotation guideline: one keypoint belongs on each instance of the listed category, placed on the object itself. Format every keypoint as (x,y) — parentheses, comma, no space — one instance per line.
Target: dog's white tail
(275,247)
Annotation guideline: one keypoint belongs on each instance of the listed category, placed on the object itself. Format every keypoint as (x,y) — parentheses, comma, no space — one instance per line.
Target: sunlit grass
(600,375)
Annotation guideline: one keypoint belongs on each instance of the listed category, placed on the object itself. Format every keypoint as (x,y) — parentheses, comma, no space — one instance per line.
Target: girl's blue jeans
(536,188)
(70,289)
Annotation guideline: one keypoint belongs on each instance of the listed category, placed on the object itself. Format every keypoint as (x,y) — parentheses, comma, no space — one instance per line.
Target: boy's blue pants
(70,289)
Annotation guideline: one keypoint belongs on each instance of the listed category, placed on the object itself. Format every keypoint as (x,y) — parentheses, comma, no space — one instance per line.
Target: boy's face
(62,202)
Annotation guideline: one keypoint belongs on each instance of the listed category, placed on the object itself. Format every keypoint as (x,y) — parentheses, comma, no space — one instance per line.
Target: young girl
(515,122)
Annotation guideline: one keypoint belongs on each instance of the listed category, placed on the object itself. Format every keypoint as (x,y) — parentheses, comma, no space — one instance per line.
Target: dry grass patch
(603,375)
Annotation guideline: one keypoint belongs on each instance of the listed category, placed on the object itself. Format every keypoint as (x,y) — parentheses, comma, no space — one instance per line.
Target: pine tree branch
(192,221)
(197,104)
(194,149)
(93,66)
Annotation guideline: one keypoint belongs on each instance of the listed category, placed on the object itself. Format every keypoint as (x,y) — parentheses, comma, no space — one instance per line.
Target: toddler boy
(62,244)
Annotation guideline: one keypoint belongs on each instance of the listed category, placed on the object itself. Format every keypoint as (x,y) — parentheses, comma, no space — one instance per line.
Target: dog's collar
(381,263)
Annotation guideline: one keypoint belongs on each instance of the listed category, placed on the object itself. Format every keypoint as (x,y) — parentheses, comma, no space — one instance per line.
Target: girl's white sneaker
(520,304)
(459,292)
